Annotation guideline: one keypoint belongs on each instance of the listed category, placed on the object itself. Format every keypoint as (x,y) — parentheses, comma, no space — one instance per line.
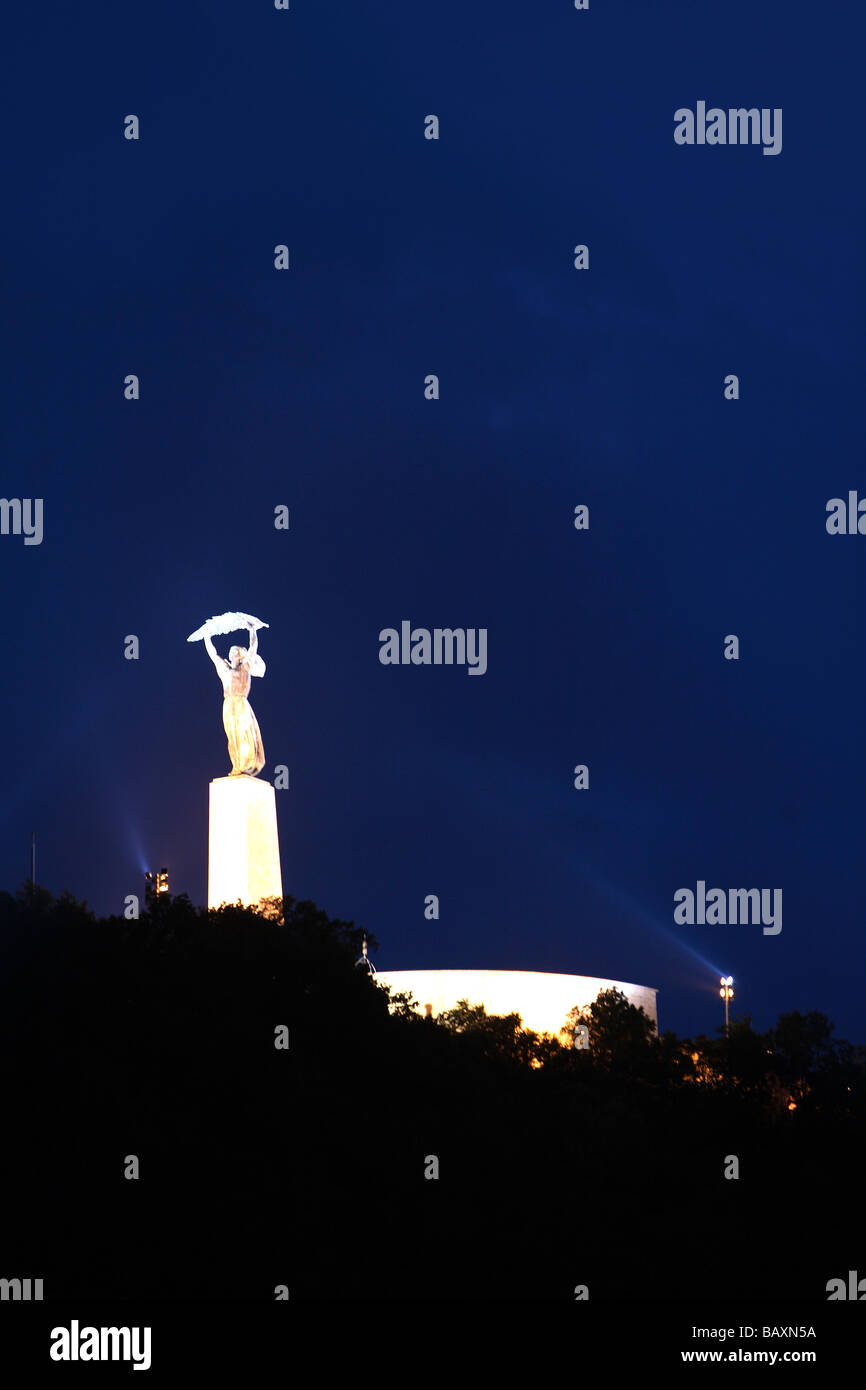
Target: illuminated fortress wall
(542,1000)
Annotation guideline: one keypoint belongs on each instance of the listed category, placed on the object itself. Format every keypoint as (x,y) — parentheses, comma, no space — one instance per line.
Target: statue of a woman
(239,722)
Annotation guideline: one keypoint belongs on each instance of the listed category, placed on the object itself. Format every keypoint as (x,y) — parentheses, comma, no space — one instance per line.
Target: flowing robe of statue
(242,731)
(241,726)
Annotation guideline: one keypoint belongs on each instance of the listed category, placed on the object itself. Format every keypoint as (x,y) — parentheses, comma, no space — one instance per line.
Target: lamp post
(727,994)
(154,885)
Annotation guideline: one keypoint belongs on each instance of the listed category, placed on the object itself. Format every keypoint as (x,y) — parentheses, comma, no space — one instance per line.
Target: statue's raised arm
(219,661)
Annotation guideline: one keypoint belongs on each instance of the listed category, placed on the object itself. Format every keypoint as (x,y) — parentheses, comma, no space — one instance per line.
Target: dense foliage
(305,1166)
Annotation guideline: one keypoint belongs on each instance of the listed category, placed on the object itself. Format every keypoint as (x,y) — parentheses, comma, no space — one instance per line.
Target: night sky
(558,387)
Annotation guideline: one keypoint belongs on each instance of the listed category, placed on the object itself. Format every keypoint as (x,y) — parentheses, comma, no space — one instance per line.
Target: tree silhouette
(620,1033)
(260,1166)
(497,1035)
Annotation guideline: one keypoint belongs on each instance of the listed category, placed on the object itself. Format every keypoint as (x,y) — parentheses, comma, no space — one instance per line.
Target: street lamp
(154,885)
(727,994)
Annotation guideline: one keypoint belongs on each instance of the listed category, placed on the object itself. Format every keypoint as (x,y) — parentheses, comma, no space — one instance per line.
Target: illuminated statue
(239,722)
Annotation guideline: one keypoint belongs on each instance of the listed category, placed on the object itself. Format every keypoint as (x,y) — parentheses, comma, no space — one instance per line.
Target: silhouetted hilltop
(304,1165)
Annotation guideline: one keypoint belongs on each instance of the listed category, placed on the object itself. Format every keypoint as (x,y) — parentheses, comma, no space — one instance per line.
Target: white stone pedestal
(243,848)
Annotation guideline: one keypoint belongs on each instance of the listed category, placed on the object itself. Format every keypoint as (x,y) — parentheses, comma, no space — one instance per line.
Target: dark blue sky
(557,387)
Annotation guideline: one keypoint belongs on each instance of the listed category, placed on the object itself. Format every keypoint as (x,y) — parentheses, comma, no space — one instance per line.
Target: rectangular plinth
(243,848)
